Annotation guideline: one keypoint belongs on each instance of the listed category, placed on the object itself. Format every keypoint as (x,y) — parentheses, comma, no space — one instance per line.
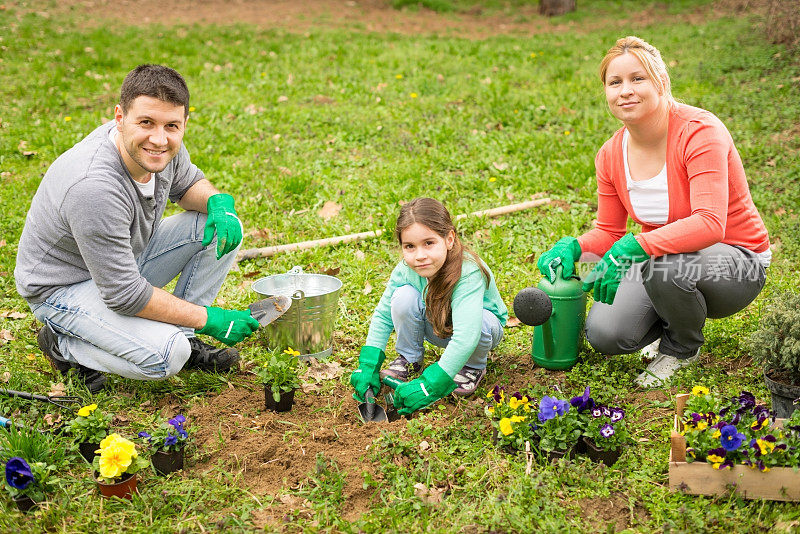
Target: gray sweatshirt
(88,220)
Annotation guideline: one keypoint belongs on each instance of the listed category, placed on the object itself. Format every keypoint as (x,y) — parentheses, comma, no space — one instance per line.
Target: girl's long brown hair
(432,213)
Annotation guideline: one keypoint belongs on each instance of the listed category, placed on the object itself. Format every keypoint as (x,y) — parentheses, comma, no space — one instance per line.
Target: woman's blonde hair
(650,58)
(432,213)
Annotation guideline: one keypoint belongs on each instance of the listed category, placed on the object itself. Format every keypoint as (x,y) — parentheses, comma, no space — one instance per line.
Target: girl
(441,291)
(703,249)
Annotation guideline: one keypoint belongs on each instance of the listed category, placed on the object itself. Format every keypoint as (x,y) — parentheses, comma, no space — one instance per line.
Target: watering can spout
(557,312)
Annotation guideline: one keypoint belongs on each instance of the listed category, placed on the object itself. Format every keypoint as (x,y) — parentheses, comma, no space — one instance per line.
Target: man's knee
(168,361)
(178,354)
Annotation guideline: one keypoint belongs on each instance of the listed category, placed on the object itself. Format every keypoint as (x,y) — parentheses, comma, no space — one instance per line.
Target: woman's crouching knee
(609,338)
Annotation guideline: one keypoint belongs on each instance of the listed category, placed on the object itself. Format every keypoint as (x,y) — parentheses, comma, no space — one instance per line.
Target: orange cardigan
(709,199)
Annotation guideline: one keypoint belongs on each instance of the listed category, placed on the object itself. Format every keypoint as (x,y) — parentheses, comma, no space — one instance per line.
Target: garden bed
(699,478)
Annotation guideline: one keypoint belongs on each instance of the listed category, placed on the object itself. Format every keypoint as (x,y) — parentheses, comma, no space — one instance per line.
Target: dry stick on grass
(266,252)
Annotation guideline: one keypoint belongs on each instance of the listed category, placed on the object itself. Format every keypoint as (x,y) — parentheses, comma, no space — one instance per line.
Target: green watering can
(557,312)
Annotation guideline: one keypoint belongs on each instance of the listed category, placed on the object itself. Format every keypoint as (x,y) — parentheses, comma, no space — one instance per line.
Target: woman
(703,249)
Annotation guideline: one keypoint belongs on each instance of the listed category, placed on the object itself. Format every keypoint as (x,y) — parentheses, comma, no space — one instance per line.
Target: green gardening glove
(367,376)
(228,326)
(606,276)
(565,252)
(431,386)
(223,220)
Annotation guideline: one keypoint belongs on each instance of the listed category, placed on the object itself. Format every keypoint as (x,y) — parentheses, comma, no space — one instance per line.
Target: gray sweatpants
(670,297)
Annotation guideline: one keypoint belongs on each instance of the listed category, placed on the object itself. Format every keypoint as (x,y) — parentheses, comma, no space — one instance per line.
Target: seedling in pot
(280,376)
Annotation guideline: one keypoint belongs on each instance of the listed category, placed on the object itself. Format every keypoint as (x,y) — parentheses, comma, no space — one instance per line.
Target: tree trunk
(551,8)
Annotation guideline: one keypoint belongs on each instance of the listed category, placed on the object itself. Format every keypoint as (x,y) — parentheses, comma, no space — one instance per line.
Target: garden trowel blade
(371,412)
(267,310)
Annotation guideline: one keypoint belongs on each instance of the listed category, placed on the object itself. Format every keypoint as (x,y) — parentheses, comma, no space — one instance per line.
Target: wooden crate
(699,478)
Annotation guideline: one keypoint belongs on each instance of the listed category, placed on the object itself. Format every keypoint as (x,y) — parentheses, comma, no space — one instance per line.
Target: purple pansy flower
(171,440)
(761,411)
(582,402)
(18,473)
(731,439)
(607,430)
(144,434)
(606,411)
(617,414)
(497,393)
(177,421)
(550,407)
(517,395)
(597,411)
(727,464)
(746,401)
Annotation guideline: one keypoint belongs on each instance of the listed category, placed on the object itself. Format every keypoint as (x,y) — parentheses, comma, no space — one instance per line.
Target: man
(95,253)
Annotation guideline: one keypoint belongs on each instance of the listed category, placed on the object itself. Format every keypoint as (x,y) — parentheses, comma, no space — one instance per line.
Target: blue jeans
(413,328)
(92,335)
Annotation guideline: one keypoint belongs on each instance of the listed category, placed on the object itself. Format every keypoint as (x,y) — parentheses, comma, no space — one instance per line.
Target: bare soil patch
(612,514)
(273,454)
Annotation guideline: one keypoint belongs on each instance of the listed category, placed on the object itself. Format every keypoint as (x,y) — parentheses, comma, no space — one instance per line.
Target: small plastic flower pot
(166,462)
(596,454)
(783,396)
(284,404)
(24,503)
(553,456)
(87,449)
(124,489)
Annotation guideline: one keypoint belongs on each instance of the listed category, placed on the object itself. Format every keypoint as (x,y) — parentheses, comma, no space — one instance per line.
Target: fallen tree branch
(266,252)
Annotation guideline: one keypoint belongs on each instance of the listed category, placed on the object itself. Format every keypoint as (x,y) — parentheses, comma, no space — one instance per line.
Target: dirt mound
(357,15)
(274,453)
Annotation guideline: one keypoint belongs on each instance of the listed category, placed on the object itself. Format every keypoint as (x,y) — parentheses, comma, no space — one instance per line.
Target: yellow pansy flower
(505,426)
(517,418)
(699,391)
(292,352)
(114,460)
(86,410)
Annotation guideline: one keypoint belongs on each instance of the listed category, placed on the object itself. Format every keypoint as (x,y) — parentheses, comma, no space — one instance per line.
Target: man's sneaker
(210,358)
(662,368)
(400,368)
(467,380)
(46,338)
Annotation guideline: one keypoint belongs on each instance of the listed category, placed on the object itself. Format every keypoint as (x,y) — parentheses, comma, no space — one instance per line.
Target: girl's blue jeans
(412,327)
(94,336)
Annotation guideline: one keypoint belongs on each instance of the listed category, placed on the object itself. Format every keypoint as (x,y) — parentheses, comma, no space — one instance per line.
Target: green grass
(350,130)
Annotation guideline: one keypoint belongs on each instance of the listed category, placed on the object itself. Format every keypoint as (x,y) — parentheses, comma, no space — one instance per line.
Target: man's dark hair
(156,81)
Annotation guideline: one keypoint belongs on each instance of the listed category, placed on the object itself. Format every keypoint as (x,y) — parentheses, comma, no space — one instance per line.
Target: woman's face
(631,94)
(424,250)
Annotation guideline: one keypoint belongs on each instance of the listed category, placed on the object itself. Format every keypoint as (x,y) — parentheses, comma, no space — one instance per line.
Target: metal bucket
(308,324)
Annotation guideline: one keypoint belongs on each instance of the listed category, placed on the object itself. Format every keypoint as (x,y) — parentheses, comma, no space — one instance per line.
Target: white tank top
(649,198)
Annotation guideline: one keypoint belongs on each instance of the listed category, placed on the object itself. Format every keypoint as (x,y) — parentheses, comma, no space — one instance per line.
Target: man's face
(150,134)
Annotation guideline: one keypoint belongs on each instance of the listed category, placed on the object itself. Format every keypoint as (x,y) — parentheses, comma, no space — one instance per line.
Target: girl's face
(424,250)
(630,92)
